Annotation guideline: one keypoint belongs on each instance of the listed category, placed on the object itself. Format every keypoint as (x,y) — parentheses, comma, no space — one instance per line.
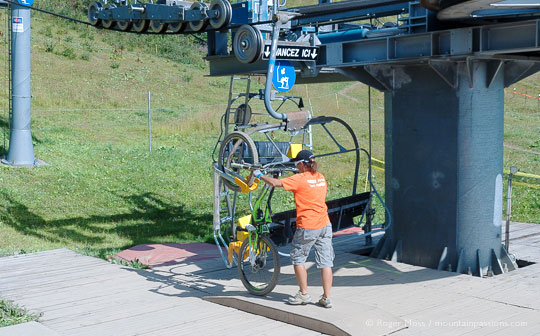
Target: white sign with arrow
(293,53)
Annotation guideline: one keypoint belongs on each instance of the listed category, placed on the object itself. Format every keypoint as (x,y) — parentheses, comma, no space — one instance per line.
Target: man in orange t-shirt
(313,226)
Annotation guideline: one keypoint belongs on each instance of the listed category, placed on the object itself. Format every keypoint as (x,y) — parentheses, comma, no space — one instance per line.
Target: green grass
(11,314)
(104,192)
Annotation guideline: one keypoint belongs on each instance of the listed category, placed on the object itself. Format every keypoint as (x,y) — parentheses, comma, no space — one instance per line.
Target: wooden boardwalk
(80,295)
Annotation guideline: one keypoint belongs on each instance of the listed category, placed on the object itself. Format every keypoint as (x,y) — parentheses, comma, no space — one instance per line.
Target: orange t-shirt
(309,195)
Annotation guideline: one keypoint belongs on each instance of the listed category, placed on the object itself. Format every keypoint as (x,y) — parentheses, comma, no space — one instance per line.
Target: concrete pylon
(444,159)
(21,149)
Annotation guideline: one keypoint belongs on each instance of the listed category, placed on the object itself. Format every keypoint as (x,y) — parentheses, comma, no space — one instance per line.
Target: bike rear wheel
(237,148)
(261,277)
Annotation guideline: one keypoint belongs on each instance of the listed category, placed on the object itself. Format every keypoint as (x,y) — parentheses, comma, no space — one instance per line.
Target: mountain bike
(258,258)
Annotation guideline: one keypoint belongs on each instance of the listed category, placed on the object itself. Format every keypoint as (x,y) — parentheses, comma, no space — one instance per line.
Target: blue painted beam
(500,41)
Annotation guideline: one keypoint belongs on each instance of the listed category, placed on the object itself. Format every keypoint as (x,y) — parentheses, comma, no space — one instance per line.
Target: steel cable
(49,12)
(69,18)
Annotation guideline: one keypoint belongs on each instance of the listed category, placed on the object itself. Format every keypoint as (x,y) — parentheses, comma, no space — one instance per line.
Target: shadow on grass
(150,220)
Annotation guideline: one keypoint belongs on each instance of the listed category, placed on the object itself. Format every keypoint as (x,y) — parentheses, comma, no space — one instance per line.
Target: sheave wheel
(224,16)
(157,27)
(93,10)
(248,44)
(177,27)
(140,26)
(108,23)
(201,24)
(124,25)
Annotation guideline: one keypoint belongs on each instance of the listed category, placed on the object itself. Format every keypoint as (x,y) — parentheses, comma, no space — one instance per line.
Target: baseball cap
(303,156)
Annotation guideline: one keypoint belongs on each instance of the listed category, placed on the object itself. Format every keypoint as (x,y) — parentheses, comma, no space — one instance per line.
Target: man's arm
(274,182)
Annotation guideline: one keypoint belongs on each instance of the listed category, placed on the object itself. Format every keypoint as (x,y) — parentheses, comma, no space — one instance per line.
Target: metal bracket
(396,255)
(447,70)
(495,263)
(460,263)
(443,261)
(383,74)
(362,75)
(482,269)
(514,71)
(470,70)
(493,69)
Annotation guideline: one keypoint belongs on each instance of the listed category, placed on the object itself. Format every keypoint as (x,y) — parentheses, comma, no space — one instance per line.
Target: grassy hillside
(104,191)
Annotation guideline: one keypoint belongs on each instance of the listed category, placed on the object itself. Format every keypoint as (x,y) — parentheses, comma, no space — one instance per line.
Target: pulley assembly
(163,16)
(248,44)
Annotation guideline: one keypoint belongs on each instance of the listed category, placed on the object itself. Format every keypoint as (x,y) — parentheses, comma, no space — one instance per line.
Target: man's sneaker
(300,299)
(325,302)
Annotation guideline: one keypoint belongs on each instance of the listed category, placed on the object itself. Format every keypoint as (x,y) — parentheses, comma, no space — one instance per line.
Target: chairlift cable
(49,12)
(69,18)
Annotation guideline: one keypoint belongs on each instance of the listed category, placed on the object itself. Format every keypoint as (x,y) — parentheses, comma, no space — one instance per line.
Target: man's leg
(324,257)
(301,277)
(302,242)
(327,277)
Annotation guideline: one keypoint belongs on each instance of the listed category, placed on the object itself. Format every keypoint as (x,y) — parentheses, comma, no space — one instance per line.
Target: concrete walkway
(80,295)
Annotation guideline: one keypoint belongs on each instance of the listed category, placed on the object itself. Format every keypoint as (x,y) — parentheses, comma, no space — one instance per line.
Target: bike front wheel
(258,265)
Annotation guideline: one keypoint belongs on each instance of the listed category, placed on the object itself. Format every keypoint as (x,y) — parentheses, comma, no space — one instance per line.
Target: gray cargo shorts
(304,239)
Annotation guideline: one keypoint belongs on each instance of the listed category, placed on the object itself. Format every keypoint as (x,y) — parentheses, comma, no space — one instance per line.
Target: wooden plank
(515,226)
(97,289)
(52,299)
(525,324)
(48,259)
(33,271)
(416,303)
(150,321)
(27,329)
(232,322)
(54,277)
(100,298)
(126,308)
(39,253)
(209,326)
(198,268)
(110,305)
(59,263)
(470,319)
(67,285)
(36,257)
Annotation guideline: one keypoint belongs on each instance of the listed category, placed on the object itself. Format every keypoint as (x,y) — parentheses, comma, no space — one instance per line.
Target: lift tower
(21,149)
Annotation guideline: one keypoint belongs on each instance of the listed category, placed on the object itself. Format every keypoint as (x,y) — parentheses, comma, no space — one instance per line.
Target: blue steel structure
(442,64)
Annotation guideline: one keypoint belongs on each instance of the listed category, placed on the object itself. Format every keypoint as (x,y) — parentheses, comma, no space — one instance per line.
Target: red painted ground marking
(351,230)
(168,254)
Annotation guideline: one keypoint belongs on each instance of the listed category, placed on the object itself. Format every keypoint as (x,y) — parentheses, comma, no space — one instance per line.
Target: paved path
(80,295)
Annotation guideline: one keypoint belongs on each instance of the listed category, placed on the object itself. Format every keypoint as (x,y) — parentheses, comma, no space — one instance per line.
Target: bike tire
(232,146)
(249,274)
